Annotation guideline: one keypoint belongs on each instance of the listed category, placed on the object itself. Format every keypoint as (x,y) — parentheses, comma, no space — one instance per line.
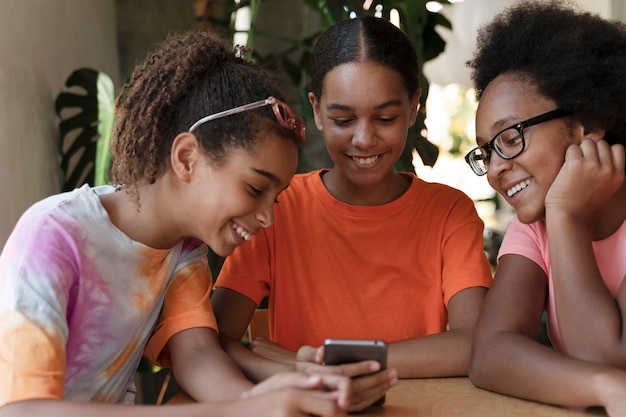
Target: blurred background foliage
(290,57)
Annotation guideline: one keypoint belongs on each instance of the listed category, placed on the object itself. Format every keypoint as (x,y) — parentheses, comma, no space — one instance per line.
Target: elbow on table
(482,366)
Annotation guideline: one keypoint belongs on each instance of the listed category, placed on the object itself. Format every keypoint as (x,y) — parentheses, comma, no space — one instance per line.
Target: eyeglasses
(508,143)
(285,116)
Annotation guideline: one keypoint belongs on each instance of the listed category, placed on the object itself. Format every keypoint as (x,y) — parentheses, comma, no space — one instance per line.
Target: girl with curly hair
(551,129)
(93,279)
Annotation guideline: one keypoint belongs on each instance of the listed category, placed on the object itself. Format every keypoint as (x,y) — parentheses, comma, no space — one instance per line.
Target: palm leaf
(85,127)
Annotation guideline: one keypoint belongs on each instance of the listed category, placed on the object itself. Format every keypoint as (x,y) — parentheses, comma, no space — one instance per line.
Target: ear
(595,134)
(316,111)
(185,155)
(415,106)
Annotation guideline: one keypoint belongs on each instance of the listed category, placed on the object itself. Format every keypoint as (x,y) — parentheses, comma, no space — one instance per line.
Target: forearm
(209,376)
(516,365)
(203,369)
(585,308)
(440,355)
(59,408)
(255,367)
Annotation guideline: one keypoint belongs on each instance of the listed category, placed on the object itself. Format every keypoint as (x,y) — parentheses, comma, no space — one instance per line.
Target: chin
(528,218)
(223,251)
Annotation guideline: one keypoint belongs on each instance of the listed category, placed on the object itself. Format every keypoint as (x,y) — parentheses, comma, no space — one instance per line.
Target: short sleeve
(248,270)
(187,302)
(36,276)
(529,241)
(465,264)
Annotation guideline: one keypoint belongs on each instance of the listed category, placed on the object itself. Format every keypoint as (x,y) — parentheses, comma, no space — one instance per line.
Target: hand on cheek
(593,171)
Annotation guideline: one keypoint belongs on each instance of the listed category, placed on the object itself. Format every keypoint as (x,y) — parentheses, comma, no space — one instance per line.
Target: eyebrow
(273,178)
(390,103)
(500,124)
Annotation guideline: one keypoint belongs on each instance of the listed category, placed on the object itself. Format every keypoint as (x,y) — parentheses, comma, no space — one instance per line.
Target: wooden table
(449,397)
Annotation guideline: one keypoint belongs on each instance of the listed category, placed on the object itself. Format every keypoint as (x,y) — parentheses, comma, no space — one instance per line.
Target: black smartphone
(341,351)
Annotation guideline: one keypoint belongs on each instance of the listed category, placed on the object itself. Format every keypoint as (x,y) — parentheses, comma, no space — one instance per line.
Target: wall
(144,23)
(41,43)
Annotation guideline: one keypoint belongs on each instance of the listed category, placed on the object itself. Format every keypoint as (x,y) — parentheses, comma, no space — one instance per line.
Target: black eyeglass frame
(520,126)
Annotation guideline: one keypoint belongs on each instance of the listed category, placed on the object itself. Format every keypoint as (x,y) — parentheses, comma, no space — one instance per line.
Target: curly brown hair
(574,57)
(187,77)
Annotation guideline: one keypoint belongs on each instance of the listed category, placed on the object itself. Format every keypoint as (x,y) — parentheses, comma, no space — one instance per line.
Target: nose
(364,135)
(265,214)
(497,165)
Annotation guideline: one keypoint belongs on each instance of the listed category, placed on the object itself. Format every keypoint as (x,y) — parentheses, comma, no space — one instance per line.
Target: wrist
(606,384)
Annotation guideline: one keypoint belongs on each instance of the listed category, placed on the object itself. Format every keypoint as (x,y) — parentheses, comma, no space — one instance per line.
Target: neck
(385,191)
(148,223)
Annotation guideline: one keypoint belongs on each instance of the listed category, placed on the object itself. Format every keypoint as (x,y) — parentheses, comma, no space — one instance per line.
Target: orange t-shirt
(333,270)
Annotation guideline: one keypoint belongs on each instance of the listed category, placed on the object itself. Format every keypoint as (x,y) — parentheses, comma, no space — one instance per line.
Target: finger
(574,153)
(279,381)
(618,155)
(307,354)
(319,355)
(379,380)
(350,369)
(368,389)
(318,403)
(355,369)
(603,150)
(340,384)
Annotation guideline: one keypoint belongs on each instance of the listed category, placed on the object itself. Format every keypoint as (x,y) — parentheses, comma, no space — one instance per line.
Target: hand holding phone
(342,351)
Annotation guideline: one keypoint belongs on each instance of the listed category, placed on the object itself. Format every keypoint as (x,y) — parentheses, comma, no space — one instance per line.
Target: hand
(593,171)
(340,386)
(369,383)
(287,402)
(273,351)
(612,390)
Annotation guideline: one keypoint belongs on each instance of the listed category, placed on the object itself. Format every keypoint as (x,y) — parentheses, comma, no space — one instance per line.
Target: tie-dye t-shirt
(80,301)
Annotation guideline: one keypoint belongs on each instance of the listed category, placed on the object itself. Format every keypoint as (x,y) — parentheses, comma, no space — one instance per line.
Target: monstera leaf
(85,127)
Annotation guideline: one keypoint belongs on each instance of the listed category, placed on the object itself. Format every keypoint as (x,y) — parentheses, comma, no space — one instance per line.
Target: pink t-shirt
(531,241)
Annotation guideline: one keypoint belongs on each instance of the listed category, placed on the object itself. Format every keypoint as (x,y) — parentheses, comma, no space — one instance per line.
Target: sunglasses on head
(285,116)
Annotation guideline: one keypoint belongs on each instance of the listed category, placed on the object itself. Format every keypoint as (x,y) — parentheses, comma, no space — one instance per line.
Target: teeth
(365,161)
(517,188)
(242,233)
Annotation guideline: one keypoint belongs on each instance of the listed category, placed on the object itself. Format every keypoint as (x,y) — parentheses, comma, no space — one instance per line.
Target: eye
(255,191)
(509,138)
(387,120)
(341,121)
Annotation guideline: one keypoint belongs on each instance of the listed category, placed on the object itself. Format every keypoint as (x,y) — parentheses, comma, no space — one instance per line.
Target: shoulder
(302,186)
(440,196)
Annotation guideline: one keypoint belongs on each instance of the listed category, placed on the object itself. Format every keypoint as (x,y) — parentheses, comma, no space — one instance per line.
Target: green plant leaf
(80,128)
(106,105)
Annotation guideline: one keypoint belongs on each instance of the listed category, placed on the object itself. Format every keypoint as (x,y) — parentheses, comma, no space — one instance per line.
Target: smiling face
(226,204)
(525,180)
(364,113)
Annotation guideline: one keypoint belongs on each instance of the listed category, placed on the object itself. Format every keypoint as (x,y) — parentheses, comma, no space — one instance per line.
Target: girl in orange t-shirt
(360,250)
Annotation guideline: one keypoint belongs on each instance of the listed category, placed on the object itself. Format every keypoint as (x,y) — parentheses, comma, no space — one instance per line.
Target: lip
(240,233)
(514,188)
(365,161)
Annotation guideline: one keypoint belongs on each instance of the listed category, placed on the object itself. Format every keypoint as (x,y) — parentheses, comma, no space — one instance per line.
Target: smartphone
(340,351)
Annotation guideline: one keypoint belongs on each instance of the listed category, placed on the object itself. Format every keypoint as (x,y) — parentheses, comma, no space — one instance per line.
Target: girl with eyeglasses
(360,251)
(93,279)
(551,129)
